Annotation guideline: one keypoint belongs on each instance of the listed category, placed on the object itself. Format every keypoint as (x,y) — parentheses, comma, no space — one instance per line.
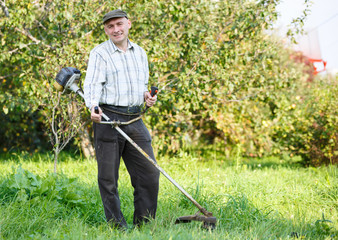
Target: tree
(38,38)
(65,122)
(217,69)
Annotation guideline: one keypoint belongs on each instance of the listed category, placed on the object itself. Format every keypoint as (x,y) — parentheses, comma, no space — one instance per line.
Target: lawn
(270,198)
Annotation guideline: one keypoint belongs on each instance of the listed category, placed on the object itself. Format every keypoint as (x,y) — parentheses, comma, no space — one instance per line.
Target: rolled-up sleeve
(95,78)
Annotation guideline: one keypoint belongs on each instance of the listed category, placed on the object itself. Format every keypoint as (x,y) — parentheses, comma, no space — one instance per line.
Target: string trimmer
(68,78)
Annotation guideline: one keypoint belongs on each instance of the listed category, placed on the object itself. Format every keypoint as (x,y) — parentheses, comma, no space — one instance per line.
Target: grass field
(269,198)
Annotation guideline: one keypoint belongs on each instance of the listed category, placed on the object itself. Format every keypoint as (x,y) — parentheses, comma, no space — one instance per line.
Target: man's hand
(150,101)
(96,117)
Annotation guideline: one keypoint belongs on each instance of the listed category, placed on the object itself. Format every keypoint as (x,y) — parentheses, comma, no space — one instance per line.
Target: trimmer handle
(153,91)
(96,109)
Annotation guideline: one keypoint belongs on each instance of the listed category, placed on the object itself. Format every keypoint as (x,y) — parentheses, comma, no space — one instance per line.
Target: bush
(23,130)
(64,193)
(202,55)
(309,125)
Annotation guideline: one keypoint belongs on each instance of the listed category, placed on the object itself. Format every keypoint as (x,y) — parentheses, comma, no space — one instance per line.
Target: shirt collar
(130,45)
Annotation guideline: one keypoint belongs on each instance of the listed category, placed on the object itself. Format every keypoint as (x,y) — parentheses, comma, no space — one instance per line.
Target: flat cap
(117,13)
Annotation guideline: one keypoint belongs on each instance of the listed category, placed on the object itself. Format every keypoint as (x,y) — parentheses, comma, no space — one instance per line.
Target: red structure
(309,47)
(319,65)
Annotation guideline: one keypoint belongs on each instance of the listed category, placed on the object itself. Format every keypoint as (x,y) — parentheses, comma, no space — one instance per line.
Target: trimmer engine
(68,77)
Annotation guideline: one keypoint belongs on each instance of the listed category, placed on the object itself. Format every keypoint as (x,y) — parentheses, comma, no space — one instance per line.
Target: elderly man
(116,81)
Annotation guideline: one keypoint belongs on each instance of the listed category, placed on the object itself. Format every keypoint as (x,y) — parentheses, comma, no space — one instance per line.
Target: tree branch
(9,75)
(37,41)
(4,8)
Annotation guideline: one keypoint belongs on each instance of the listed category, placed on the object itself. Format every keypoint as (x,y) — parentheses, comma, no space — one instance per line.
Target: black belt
(134,110)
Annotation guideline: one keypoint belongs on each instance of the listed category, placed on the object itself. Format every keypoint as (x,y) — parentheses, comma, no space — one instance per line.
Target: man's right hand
(96,117)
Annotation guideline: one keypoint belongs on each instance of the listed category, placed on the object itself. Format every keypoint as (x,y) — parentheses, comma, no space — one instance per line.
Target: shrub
(309,125)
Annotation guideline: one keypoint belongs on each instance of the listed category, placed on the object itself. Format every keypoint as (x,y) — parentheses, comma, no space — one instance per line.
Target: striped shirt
(115,77)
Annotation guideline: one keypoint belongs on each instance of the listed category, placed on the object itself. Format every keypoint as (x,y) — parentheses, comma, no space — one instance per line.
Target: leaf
(5,110)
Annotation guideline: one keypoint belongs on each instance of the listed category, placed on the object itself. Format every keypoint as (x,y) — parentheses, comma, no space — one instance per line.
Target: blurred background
(320,41)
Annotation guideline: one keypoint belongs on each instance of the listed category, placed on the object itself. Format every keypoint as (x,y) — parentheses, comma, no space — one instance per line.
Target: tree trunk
(56,155)
(86,143)
(85,139)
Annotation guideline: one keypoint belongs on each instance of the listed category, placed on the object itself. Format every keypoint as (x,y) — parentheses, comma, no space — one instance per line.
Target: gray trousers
(110,146)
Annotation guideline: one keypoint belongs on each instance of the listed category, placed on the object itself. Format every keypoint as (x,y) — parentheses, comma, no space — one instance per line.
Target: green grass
(269,198)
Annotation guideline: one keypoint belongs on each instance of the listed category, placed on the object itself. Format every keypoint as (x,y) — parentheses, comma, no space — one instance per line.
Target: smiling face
(117,30)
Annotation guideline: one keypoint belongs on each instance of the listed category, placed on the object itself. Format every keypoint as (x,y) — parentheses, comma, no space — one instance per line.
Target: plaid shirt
(115,77)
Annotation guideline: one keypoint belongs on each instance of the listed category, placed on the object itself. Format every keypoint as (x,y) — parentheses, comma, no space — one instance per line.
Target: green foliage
(216,76)
(215,57)
(308,123)
(222,78)
(297,24)
(24,187)
(323,226)
(38,39)
(23,130)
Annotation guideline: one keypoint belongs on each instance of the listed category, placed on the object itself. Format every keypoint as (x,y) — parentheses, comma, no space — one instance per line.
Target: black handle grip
(96,109)
(153,91)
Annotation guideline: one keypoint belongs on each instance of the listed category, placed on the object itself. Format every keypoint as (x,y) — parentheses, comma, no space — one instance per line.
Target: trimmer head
(209,222)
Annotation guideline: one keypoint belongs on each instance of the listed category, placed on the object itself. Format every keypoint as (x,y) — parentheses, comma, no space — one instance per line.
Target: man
(116,81)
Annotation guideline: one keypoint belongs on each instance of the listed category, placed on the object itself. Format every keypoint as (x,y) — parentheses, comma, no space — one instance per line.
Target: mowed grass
(269,198)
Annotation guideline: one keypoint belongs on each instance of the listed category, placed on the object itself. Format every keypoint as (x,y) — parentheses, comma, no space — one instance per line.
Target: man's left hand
(150,101)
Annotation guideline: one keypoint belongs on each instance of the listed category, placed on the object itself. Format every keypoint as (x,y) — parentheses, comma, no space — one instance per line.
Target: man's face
(117,30)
